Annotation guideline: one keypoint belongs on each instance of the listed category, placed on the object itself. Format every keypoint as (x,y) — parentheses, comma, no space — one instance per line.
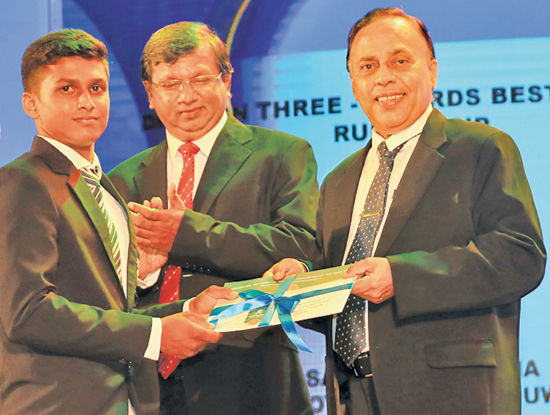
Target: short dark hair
(378,14)
(171,42)
(56,45)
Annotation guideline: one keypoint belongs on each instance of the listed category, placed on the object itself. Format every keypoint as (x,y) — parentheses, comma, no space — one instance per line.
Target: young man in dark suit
(445,242)
(71,340)
(251,201)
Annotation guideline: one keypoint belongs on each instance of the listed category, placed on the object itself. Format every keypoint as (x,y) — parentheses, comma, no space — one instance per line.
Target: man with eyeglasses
(226,201)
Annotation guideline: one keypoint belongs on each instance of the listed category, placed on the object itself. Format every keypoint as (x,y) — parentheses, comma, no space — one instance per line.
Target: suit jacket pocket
(461,354)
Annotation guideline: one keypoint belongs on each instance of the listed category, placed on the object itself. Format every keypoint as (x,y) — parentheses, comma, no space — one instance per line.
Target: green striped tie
(91,175)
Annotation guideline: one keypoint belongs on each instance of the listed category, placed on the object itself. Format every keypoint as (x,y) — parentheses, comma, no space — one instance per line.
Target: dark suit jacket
(68,340)
(464,244)
(255,204)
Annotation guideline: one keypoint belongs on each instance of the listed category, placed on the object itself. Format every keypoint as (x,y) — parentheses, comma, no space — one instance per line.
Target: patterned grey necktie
(350,324)
(91,175)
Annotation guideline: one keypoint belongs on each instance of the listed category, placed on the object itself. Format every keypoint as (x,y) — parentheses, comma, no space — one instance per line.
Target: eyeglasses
(198,83)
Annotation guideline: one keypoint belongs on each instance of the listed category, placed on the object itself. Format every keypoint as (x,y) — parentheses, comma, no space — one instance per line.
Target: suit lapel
(151,179)
(226,158)
(90,205)
(62,165)
(342,201)
(419,173)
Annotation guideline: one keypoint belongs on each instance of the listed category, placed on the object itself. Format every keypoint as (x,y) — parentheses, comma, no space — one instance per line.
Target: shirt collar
(401,137)
(75,158)
(205,143)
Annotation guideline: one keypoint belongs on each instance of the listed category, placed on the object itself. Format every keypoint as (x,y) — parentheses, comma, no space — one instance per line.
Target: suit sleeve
(504,259)
(247,251)
(32,311)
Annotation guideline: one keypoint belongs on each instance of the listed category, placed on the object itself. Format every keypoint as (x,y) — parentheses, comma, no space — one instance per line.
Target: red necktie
(187,178)
(170,290)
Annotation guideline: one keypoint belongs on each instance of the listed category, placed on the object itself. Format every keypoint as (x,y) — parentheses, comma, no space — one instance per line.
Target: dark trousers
(357,395)
(362,397)
(172,397)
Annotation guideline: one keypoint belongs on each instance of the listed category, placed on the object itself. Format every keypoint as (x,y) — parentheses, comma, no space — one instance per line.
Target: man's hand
(186,334)
(374,282)
(155,228)
(174,201)
(205,302)
(284,268)
(150,260)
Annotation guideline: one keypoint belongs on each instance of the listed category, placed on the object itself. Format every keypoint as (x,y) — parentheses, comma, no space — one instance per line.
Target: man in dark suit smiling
(245,198)
(71,340)
(437,218)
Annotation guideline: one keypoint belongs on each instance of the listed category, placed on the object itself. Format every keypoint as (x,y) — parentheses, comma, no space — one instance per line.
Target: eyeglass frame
(178,83)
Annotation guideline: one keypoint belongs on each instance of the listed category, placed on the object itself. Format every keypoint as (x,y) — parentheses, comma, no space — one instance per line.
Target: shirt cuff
(149,280)
(153,348)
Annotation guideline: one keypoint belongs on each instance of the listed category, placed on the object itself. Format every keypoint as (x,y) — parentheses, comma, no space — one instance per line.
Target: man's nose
(85,101)
(186,92)
(384,75)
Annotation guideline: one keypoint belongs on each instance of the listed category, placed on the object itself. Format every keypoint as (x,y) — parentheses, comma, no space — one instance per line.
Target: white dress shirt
(408,136)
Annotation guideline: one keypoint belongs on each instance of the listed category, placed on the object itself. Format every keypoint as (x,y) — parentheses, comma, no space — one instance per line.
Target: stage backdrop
(289,59)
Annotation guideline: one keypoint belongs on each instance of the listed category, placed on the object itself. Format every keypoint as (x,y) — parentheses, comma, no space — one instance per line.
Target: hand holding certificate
(265,302)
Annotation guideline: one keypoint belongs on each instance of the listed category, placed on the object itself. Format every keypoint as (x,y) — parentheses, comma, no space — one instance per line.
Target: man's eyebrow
(66,81)
(367,58)
(392,53)
(398,51)
(74,81)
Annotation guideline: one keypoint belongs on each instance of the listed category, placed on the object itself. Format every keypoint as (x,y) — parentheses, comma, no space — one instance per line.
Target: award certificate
(264,302)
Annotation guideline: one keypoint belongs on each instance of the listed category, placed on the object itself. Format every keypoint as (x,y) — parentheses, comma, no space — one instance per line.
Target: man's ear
(433,72)
(353,86)
(30,104)
(147,86)
(227,82)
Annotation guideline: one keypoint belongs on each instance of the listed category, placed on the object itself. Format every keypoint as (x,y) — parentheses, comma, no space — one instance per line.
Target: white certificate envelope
(303,296)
